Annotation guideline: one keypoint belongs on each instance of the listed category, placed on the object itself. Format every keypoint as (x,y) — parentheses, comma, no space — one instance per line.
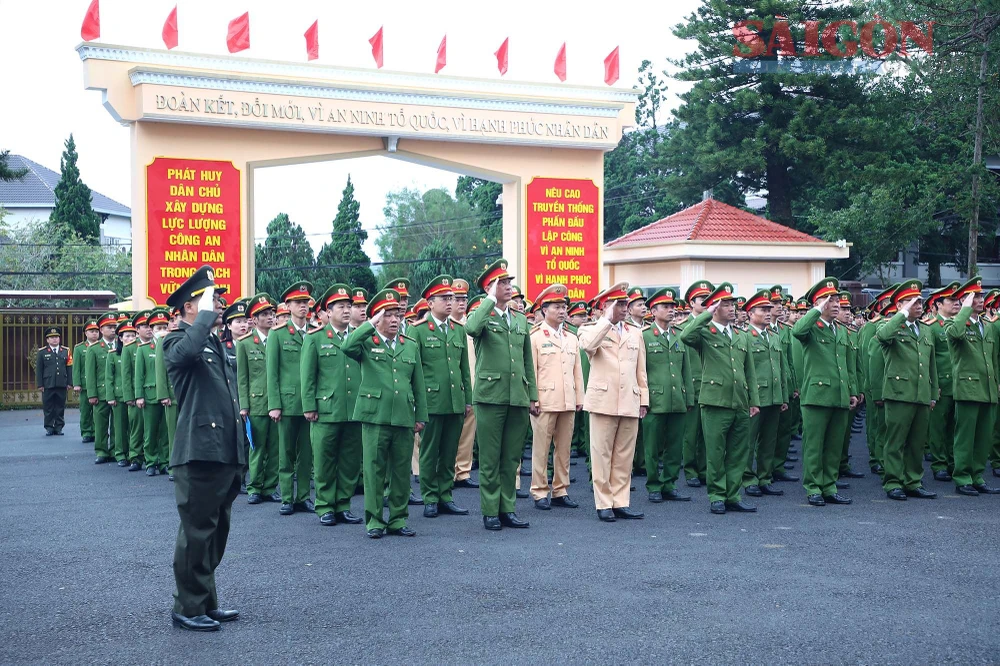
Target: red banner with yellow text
(192,219)
(563,234)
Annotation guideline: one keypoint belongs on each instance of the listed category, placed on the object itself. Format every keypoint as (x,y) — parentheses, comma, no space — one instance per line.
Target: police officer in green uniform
(91,334)
(827,365)
(694,438)
(445,359)
(846,317)
(503,394)
(391,406)
(943,306)
(251,382)
(53,367)
(97,367)
(114,391)
(331,381)
(875,382)
(671,395)
(165,392)
(974,348)
(154,426)
(910,391)
(208,457)
(771,373)
(284,401)
(136,439)
(788,420)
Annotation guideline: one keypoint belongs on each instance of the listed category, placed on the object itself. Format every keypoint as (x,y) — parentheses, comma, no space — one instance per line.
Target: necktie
(916,331)
(729,333)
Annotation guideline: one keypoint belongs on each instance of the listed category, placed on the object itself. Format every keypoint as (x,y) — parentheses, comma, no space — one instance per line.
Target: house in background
(33,198)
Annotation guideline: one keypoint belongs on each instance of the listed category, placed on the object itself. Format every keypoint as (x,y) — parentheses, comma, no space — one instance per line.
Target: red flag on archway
(170,29)
(238,38)
(442,56)
(501,54)
(312,41)
(611,67)
(91,28)
(560,67)
(376,42)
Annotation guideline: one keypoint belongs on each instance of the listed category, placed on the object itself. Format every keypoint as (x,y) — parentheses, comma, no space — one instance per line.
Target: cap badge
(210,274)
(342,291)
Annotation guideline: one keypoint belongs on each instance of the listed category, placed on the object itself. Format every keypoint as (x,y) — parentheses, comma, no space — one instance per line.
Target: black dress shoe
(985,489)
(49,432)
(606,515)
(791,459)
(544,504)
(243,489)
(896,494)
(165,470)
(328,519)
(877,469)
(88,440)
(816,500)
(851,474)
(286,509)
(492,523)
(843,485)
(403,531)
(123,463)
(273,497)
(753,491)
(170,477)
(674,496)
(254,498)
(522,494)
(59,433)
(466,483)
(740,507)
(375,533)
(771,490)
(511,520)
(565,502)
(223,615)
(694,483)
(943,475)
(928,457)
(101,460)
(430,510)
(197,623)
(781,476)
(627,513)
(967,490)
(525,470)
(151,470)
(348,518)
(655,497)
(452,509)
(837,498)
(306,507)
(996,471)
(135,466)
(718,507)
(921,493)
(414,500)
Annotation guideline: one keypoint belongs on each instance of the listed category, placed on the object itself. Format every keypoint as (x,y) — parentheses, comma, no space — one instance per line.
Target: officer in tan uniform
(617,397)
(559,376)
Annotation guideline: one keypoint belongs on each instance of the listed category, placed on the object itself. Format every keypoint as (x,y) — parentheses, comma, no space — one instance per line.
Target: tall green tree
(437,257)
(343,259)
(284,257)
(73,198)
(7,173)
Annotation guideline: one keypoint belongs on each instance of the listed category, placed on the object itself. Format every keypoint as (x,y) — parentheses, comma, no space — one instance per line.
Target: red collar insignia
(375,339)
(820,324)
(754,332)
(256,340)
(546,331)
(656,331)
(152,344)
(431,326)
(291,329)
(713,329)
(452,325)
(399,339)
(329,334)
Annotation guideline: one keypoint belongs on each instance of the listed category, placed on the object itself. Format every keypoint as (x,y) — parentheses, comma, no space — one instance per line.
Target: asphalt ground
(86,577)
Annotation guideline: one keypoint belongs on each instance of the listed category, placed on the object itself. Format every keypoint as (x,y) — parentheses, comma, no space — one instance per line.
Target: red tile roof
(712,220)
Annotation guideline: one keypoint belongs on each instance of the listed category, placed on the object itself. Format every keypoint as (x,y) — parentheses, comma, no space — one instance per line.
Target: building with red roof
(717,242)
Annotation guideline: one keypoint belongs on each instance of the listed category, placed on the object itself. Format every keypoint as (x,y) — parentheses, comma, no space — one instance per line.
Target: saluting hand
(821,303)
(491,291)
(967,301)
(906,306)
(377,318)
(714,306)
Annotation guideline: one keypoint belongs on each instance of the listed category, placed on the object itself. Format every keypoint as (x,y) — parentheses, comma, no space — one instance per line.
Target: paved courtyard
(87,578)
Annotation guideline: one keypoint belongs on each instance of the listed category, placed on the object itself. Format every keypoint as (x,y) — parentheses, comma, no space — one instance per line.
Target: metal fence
(21,335)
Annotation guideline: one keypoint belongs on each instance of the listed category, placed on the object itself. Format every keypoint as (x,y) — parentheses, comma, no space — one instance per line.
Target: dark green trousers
(876,433)
(845,456)
(500,431)
(54,408)
(787,426)
(727,444)
(438,450)
(663,443)
(763,443)
(294,458)
(337,462)
(119,429)
(822,444)
(973,437)
(136,442)
(263,459)
(103,438)
(695,465)
(639,456)
(154,432)
(205,492)
(387,452)
(941,435)
(905,436)
(86,415)
(170,416)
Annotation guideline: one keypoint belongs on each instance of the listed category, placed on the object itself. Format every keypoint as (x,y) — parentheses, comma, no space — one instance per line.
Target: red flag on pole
(611,67)
(238,38)
(376,42)
(442,58)
(170,29)
(501,54)
(560,68)
(91,28)
(312,41)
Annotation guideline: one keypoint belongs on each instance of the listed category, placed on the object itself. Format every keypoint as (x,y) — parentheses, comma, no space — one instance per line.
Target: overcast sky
(45,100)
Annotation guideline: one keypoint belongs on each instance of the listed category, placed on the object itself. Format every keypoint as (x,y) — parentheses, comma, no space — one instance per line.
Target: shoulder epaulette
(130,343)
(628,323)
(43,348)
(143,344)
(314,330)
(535,327)
(645,328)
(244,337)
(403,335)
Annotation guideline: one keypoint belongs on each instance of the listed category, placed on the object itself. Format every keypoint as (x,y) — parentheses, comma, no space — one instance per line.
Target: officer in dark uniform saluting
(53,365)
(208,458)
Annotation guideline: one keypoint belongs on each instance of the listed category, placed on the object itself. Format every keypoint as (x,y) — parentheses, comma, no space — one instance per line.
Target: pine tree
(8,174)
(73,199)
(285,257)
(345,251)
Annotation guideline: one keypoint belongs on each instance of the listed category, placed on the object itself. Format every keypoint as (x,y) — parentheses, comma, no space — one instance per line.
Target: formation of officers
(341,390)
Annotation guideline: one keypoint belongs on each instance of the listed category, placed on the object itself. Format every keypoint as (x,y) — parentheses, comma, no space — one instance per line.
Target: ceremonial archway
(201,124)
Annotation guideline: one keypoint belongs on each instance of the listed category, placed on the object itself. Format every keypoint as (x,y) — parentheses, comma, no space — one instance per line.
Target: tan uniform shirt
(617,383)
(558,371)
